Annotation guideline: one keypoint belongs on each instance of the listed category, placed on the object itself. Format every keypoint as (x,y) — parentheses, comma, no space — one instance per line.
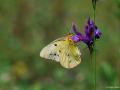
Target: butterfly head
(69,38)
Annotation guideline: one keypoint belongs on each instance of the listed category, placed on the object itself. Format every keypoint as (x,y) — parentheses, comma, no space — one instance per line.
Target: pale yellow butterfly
(63,50)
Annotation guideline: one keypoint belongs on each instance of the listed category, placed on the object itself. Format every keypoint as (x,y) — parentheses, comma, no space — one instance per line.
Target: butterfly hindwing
(70,57)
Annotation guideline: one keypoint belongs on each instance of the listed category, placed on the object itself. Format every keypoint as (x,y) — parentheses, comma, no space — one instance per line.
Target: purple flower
(78,36)
(75,30)
(92,33)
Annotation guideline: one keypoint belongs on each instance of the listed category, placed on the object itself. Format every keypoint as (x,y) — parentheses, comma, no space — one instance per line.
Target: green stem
(94,56)
(94,46)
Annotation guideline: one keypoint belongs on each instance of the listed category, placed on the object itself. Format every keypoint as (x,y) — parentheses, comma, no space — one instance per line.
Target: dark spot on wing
(55,44)
(59,51)
(68,55)
(56,54)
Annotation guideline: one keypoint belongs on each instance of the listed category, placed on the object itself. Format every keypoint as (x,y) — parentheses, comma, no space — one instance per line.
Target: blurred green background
(26,26)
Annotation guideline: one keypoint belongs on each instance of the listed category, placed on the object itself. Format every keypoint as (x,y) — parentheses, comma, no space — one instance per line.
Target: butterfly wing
(52,50)
(61,50)
(70,57)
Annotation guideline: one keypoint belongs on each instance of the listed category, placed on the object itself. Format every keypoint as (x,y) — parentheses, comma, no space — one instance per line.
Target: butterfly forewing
(53,50)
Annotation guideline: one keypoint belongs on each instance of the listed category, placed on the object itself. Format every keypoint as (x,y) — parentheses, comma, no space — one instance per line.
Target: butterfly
(63,50)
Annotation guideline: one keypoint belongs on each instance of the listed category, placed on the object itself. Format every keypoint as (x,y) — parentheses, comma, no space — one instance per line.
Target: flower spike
(92,33)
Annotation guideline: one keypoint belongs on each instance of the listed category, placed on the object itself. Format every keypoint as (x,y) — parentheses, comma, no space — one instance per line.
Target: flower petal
(77,38)
(85,39)
(89,20)
(97,34)
(75,30)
